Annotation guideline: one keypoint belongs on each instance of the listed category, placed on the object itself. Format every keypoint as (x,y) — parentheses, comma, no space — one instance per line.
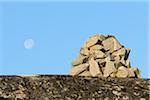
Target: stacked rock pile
(103,56)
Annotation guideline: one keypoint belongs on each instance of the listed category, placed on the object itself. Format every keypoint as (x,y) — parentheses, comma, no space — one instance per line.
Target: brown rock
(96,47)
(120,52)
(102,37)
(109,44)
(94,68)
(131,73)
(100,61)
(99,54)
(116,93)
(122,72)
(136,71)
(85,73)
(123,61)
(109,68)
(117,45)
(113,74)
(84,51)
(106,56)
(91,41)
(79,60)
(109,58)
(127,63)
(117,58)
(118,64)
(78,69)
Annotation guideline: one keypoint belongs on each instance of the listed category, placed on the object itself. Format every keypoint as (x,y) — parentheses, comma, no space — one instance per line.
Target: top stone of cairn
(103,56)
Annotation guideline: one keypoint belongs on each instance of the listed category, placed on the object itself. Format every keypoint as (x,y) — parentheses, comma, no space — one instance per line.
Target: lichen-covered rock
(94,68)
(108,44)
(122,72)
(109,68)
(65,87)
(109,58)
(78,69)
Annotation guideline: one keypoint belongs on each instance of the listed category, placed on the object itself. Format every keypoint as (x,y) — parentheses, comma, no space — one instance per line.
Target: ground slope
(64,87)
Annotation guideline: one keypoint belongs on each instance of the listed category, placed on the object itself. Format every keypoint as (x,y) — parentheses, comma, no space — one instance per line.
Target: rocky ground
(65,87)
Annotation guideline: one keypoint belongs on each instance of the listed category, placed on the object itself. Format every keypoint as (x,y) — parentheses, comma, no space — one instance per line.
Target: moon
(28,43)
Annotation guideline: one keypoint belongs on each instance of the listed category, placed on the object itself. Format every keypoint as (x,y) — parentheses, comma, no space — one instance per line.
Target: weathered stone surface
(113,74)
(99,54)
(62,87)
(91,41)
(94,68)
(105,49)
(84,51)
(100,61)
(118,64)
(101,37)
(77,69)
(117,58)
(123,61)
(127,63)
(85,73)
(117,45)
(96,47)
(79,60)
(109,44)
(120,52)
(136,71)
(131,73)
(109,58)
(122,72)
(109,68)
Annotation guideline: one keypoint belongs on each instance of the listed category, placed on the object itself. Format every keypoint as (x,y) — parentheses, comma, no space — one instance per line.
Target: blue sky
(60,28)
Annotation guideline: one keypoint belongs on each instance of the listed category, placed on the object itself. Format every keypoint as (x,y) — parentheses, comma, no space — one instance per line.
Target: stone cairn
(103,56)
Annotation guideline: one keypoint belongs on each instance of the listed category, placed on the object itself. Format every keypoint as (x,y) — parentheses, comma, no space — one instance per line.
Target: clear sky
(59,29)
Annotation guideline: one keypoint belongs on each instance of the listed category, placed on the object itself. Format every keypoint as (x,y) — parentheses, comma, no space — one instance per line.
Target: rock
(84,51)
(136,71)
(122,72)
(79,60)
(64,87)
(96,47)
(106,58)
(127,63)
(109,58)
(117,58)
(85,73)
(131,73)
(120,52)
(100,61)
(91,41)
(94,68)
(108,44)
(116,93)
(99,54)
(123,61)
(109,68)
(118,64)
(113,74)
(117,45)
(102,37)
(127,54)
(78,69)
